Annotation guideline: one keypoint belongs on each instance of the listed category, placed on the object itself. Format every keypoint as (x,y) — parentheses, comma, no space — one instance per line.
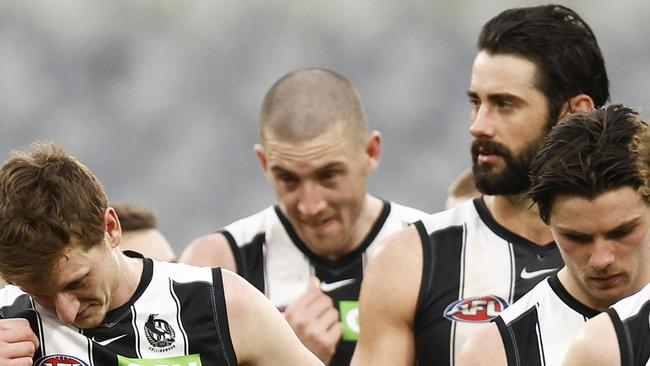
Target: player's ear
(261,157)
(578,104)
(373,150)
(112,226)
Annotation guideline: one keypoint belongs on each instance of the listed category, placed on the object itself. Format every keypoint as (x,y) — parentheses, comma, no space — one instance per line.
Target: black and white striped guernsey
(538,328)
(473,268)
(271,256)
(631,319)
(177,316)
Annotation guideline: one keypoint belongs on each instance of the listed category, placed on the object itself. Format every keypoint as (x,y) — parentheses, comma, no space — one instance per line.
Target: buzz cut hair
(306,103)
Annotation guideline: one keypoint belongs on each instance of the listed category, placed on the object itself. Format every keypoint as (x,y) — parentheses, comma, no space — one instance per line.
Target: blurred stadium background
(160,98)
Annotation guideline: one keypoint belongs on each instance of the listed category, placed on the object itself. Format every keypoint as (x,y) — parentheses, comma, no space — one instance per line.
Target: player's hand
(315,321)
(17,343)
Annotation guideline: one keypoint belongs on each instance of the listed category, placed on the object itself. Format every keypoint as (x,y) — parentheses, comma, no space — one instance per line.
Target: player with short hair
(455,270)
(590,181)
(85,302)
(308,252)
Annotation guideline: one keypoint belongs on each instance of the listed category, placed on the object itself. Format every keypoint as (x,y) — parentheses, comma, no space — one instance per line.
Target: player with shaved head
(307,253)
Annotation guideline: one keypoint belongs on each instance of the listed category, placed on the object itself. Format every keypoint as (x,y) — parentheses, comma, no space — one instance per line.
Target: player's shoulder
(400,247)
(459,215)
(595,344)
(406,213)
(397,217)
(540,294)
(181,272)
(244,229)
(207,250)
(240,294)
(14,302)
(9,293)
(392,276)
(631,305)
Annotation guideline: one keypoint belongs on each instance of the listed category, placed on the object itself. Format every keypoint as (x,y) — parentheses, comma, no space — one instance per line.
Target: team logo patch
(159,333)
(349,311)
(189,360)
(59,360)
(475,309)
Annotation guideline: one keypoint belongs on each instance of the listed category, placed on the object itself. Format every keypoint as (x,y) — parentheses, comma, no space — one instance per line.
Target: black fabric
(633,336)
(345,260)
(221,318)
(447,252)
(504,233)
(249,258)
(195,310)
(520,339)
(571,301)
(624,344)
(23,307)
(251,264)
(440,286)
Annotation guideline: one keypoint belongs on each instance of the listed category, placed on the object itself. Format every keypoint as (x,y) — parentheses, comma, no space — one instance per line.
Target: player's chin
(488,171)
(87,323)
(91,319)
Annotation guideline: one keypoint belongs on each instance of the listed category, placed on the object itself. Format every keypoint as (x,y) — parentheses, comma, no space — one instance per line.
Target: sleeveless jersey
(473,268)
(9,293)
(177,316)
(537,329)
(631,317)
(271,256)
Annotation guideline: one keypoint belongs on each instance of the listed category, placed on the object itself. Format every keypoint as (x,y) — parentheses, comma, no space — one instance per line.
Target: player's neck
(578,292)
(372,208)
(516,214)
(130,274)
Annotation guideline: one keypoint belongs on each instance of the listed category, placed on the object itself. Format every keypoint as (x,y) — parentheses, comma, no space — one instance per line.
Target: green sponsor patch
(191,360)
(349,311)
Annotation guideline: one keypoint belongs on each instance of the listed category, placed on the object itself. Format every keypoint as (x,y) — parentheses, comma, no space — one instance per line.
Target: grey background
(160,98)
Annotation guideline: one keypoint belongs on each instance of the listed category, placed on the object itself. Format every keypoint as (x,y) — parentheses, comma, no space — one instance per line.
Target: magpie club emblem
(159,333)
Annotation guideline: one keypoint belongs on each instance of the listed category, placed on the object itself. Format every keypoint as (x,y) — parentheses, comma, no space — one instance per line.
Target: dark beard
(513,179)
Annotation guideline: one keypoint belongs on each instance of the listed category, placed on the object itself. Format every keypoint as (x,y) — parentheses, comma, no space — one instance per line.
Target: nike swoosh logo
(528,275)
(106,342)
(327,287)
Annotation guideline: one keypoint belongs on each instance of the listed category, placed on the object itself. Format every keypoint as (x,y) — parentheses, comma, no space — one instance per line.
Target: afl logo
(59,360)
(158,332)
(475,309)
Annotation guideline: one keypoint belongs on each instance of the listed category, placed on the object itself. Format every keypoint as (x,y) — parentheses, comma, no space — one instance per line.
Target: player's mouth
(320,225)
(486,152)
(84,313)
(487,158)
(606,281)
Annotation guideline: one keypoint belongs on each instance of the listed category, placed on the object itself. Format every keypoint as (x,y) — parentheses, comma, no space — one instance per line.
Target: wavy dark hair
(587,154)
(562,46)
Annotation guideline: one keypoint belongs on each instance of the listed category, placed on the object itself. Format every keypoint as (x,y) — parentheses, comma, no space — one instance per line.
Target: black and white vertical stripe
(468,255)
(537,329)
(631,319)
(190,299)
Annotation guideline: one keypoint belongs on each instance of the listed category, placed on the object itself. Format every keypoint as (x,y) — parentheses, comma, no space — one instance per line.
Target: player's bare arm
(388,302)
(212,250)
(594,345)
(484,348)
(259,333)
